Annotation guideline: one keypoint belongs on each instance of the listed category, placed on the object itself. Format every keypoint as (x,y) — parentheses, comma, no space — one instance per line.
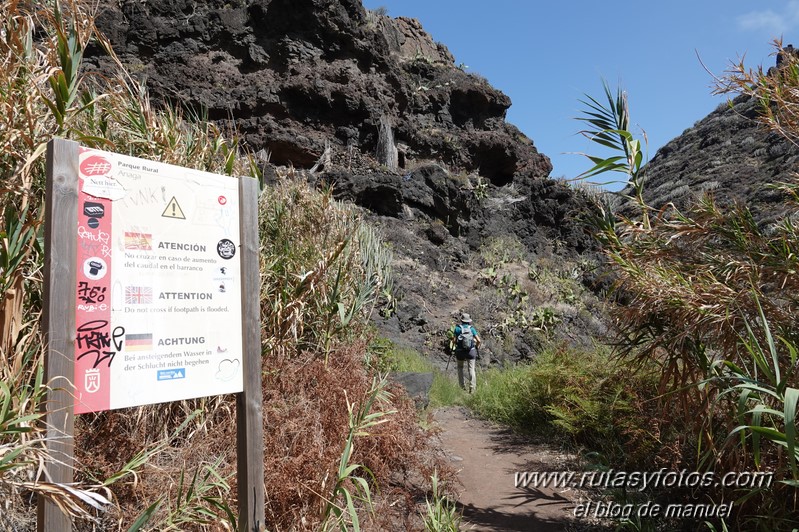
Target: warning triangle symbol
(173,210)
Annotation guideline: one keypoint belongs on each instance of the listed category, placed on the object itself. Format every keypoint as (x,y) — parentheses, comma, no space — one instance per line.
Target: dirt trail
(487,457)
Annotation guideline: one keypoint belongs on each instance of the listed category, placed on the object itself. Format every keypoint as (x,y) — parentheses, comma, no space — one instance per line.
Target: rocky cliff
(728,154)
(375,107)
(299,75)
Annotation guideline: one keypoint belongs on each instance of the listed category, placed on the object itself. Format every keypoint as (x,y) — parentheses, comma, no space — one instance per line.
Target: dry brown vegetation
(305,427)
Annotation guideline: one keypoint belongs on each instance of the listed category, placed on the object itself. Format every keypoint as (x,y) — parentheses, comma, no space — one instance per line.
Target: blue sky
(547,55)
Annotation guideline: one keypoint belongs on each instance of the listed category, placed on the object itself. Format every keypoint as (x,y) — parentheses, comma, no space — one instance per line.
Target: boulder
(416,385)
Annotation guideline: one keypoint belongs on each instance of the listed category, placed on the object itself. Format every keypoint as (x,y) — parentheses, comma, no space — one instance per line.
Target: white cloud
(762,20)
(776,23)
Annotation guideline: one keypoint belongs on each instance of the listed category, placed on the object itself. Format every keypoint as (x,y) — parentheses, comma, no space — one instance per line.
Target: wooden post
(58,322)
(249,403)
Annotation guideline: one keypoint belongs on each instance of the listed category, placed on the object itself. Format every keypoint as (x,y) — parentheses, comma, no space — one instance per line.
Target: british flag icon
(138,295)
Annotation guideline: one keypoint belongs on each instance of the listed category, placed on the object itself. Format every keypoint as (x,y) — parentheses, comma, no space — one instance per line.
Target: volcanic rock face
(297,75)
(303,78)
(328,84)
(728,154)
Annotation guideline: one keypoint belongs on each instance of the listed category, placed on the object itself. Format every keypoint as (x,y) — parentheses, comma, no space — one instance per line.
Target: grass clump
(441,513)
(385,355)
(388,356)
(340,510)
(580,396)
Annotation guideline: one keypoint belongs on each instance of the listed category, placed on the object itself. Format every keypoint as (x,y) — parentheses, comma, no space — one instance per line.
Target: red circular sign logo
(222,200)
(95,165)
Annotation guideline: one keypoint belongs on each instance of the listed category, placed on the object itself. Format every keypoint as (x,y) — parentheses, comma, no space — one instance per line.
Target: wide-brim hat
(465,318)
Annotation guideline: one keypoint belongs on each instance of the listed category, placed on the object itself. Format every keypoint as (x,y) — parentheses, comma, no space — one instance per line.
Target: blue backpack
(465,339)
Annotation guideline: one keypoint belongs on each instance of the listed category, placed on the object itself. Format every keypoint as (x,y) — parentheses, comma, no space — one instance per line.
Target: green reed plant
(340,510)
(201,500)
(145,455)
(609,126)
(761,395)
(584,397)
(709,296)
(22,392)
(774,89)
(323,270)
(691,281)
(372,279)
(441,513)
(20,248)
(764,384)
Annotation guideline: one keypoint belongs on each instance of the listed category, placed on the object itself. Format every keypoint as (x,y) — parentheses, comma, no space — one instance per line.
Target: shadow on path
(487,458)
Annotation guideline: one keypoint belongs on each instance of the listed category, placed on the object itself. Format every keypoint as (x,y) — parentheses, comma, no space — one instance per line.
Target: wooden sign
(151,294)
(158,283)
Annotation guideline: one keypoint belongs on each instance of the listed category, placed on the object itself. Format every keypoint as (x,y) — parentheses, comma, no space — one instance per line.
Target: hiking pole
(451,352)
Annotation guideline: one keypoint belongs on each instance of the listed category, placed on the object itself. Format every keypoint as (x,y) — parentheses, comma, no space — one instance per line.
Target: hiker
(464,342)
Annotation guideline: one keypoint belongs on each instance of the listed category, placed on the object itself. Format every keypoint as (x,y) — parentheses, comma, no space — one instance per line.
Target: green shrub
(445,391)
(582,396)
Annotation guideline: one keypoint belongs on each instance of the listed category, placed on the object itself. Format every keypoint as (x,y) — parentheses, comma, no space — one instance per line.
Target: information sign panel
(158,314)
